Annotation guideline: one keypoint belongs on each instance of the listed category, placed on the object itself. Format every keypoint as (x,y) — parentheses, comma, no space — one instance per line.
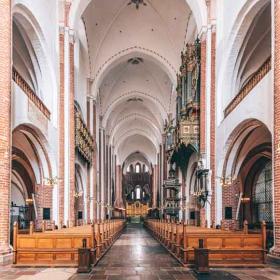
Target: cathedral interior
(146,129)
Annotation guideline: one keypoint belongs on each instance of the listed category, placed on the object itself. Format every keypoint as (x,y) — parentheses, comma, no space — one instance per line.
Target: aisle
(137,256)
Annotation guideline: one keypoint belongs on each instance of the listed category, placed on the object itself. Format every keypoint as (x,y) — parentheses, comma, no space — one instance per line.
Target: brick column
(5,129)
(213,127)
(61,131)
(155,185)
(202,97)
(94,164)
(276,156)
(71,118)
(203,109)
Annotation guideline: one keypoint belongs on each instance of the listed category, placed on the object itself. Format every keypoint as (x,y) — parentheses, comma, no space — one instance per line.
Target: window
(80,215)
(128,169)
(228,213)
(146,168)
(46,213)
(262,196)
(138,193)
(137,168)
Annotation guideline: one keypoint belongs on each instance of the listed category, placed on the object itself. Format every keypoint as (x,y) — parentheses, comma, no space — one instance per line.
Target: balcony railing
(30,94)
(84,142)
(254,80)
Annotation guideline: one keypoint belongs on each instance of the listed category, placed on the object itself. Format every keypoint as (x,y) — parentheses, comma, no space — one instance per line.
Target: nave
(136,255)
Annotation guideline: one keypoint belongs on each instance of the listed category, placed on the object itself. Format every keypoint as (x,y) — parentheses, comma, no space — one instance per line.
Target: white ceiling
(135,99)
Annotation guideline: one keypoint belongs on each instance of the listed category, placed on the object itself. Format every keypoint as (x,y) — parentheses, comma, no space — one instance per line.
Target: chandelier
(137,3)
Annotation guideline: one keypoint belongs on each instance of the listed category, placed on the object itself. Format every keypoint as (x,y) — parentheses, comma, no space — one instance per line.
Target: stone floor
(137,256)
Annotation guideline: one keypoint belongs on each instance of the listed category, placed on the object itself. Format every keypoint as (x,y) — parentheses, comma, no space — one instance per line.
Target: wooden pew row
(60,247)
(226,248)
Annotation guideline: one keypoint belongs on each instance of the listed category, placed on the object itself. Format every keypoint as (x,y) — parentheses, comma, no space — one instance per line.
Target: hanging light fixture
(137,3)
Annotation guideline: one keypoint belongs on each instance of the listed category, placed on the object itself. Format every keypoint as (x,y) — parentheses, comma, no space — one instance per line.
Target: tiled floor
(137,256)
(9,272)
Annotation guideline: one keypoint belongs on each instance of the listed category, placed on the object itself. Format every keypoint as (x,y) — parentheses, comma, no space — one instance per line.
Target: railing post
(43,226)
(98,245)
(93,252)
(222,225)
(178,239)
(31,227)
(185,244)
(264,235)
(245,229)
(15,234)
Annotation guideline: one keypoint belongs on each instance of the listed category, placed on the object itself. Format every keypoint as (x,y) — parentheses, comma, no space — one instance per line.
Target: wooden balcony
(18,79)
(254,80)
(84,142)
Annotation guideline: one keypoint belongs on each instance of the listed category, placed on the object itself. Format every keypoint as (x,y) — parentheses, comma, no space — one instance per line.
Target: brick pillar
(44,194)
(203,110)
(276,158)
(61,130)
(94,164)
(213,127)
(71,134)
(203,97)
(5,129)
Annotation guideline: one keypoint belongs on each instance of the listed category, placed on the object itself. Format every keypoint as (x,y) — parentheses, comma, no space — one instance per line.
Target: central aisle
(136,255)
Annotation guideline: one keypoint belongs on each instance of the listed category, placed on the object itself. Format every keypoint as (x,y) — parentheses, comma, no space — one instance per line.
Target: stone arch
(38,46)
(237,36)
(248,143)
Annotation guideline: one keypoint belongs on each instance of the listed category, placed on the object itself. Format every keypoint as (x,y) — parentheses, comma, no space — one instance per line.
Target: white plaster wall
(46,27)
(233,21)
(257,105)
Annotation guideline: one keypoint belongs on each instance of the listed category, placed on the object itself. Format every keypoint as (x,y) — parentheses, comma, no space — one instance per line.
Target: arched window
(146,168)
(138,193)
(128,169)
(137,168)
(262,196)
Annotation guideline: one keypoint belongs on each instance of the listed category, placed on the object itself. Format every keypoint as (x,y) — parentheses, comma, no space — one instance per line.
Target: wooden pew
(60,247)
(226,248)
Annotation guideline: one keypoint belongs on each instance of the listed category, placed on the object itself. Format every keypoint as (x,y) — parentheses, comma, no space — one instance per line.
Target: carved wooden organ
(84,141)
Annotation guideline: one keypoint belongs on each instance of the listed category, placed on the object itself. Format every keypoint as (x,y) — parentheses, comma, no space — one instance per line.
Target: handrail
(246,89)
(19,80)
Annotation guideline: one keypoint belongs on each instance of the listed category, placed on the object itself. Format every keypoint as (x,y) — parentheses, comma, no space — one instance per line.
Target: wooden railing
(226,248)
(84,142)
(60,247)
(30,93)
(253,81)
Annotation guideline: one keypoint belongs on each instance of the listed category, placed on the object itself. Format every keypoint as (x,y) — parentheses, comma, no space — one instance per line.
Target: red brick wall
(230,200)
(203,110)
(44,194)
(61,130)
(94,166)
(276,159)
(213,126)
(5,122)
(202,96)
(71,135)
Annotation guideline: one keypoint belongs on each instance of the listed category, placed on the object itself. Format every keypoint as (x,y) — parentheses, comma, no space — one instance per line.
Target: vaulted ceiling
(134,56)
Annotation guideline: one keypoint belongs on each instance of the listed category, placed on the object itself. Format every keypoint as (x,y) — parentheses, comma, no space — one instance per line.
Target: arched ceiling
(135,158)
(134,56)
